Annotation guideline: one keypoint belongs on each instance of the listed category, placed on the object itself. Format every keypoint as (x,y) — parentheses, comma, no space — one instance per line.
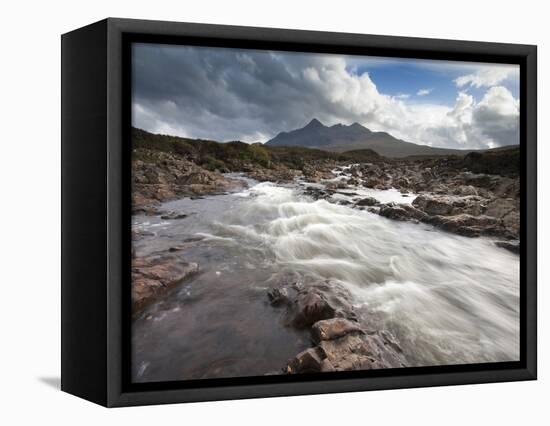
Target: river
(448,299)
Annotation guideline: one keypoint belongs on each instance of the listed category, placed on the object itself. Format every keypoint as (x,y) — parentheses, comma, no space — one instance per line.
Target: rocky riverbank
(339,342)
(469,197)
(452,199)
(159,176)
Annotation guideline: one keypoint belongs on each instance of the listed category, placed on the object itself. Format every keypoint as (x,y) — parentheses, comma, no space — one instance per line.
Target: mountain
(341,138)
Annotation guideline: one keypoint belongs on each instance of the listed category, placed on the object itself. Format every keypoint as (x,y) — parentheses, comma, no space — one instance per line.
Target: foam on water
(449,299)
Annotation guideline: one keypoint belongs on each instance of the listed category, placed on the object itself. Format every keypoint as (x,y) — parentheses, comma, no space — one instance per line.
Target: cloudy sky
(252,95)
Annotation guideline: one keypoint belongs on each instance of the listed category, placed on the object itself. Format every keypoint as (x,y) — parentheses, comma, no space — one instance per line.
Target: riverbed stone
(512,245)
(278,296)
(368,201)
(402,212)
(153,275)
(320,300)
(333,328)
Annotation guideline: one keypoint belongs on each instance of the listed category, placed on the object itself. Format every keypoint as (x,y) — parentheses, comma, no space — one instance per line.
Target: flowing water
(448,299)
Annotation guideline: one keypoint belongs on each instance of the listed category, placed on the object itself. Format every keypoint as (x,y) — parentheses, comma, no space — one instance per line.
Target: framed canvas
(254,212)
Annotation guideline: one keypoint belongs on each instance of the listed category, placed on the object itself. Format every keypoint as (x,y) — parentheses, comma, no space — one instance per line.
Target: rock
(480,180)
(369,201)
(363,351)
(402,183)
(433,205)
(173,216)
(506,209)
(465,190)
(137,234)
(340,342)
(278,296)
(165,176)
(333,328)
(311,307)
(513,246)
(318,193)
(319,300)
(308,361)
(350,351)
(336,185)
(403,212)
(449,204)
(153,275)
(466,225)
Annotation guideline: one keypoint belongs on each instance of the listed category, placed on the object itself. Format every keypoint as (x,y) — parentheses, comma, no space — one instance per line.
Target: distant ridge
(341,138)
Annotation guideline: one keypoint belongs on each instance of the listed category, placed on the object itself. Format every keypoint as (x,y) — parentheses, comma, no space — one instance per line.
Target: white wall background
(30,211)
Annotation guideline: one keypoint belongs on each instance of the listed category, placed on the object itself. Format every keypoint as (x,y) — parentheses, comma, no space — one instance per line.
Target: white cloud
(488,76)
(227,96)
(424,92)
(491,122)
(402,96)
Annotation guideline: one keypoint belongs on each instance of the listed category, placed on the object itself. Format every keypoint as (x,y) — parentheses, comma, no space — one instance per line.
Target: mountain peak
(315,123)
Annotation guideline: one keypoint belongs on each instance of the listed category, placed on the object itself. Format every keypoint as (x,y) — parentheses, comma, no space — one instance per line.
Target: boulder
(173,215)
(512,246)
(348,347)
(308,361)
(363,351)
(333,328)
(278,296)
(403,212)
(446,205)
(318,300)
(368,201)
(466,225)
(153,275)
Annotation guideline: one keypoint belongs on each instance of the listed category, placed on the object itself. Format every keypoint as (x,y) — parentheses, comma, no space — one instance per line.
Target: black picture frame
(96,211)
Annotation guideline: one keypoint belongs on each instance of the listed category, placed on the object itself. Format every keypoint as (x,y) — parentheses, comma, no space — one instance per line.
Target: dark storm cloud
(219,94)
(232,94)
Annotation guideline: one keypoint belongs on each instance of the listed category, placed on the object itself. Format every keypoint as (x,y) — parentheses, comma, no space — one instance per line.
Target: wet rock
(333,328)
(308,361)
(311,307)
(466,225)
(278,296)
(506,209)
(137,234)
(368,201)
(433,205)
(319,300)
(403,212)
(173,215)
(154,275)
(318,193)
(339,341)
(336,185)
(449,204)
(279,174)
(364,351)
(348,347)
(185,244)
(512,246)
(465,190)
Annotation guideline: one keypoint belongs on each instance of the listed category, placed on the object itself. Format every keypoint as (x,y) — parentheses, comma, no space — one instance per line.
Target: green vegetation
(502,161)
(232,156)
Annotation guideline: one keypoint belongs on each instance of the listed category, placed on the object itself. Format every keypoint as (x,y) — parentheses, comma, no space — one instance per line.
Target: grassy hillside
(503,161)
(232,156)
